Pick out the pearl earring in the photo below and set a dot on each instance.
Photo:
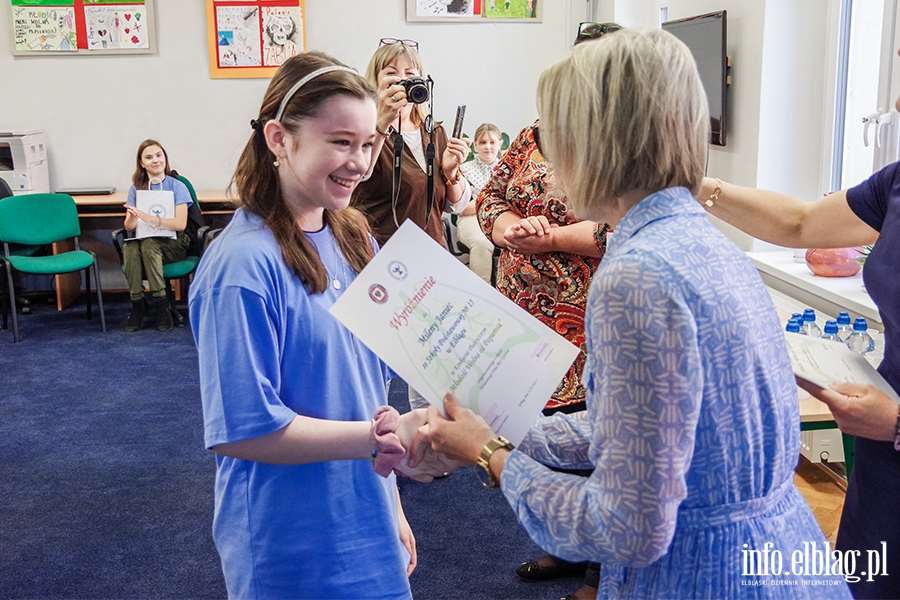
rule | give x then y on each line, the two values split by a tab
276	163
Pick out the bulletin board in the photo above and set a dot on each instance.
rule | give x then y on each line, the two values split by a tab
251	38
82	27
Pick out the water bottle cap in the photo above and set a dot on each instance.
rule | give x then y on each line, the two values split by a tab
831	327
793	325
843	318
809	315
860	324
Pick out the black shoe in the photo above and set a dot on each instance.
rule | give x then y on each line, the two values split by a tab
533	571
136	315
163	312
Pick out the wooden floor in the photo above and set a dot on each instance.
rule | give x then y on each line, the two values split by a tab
824	496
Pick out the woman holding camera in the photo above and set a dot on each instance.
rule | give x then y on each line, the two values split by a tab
393	65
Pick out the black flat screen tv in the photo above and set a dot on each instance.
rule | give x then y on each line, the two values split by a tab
705	36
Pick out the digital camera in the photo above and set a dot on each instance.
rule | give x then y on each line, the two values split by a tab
416	89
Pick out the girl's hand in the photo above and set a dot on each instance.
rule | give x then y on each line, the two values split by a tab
428	464
407	539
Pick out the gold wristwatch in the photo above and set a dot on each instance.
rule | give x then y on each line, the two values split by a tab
484	460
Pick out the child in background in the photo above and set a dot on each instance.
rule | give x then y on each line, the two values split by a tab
144	259
478	171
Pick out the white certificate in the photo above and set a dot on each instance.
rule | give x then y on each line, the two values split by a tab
824	361
443	329
159	203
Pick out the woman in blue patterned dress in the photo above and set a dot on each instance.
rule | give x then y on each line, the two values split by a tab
692	424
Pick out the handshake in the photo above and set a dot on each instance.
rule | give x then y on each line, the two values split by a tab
422	444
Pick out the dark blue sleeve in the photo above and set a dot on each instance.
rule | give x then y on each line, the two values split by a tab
869	199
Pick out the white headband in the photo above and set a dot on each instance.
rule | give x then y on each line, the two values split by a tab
304	81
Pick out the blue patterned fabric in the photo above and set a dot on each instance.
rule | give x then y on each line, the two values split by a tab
692	424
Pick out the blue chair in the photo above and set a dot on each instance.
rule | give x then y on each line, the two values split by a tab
43	219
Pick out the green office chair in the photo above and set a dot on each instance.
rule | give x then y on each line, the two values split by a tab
182	270
18	249
39	219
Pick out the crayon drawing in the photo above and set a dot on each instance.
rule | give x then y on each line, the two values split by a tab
112	27
238	36
447	8
37	29
282	34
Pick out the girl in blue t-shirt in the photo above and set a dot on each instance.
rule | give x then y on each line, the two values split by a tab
306	503
144	258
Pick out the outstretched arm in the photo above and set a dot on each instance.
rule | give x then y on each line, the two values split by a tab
785	220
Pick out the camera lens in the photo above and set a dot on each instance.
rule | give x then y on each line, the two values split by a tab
416	90
418	94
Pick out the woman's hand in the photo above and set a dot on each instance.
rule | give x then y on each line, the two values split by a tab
461	435
530	235
428	464
391	98
859	409
454	155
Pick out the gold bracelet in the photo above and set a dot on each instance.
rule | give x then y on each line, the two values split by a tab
384	133
714	197
484	460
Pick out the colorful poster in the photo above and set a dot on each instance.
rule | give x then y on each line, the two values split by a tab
252	38
281	27
448	8
37	28
238	36
82	26
510	9
115	27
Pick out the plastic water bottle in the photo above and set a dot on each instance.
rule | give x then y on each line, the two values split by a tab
860	340
809	326
831	331
793	325
844	327
798	317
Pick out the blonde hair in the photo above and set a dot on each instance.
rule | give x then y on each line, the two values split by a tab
486	128
257	182
387	54
624	113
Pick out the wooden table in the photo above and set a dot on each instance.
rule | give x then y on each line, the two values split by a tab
212	202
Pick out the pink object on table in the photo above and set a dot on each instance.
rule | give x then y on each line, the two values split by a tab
834	262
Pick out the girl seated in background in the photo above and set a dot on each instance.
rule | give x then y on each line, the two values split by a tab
144	259
488	140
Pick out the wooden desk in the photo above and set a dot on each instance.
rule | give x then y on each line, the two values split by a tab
212	202
92	210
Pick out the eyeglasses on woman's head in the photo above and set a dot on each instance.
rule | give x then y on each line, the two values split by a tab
391	41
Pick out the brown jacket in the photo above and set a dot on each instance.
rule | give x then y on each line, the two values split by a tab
373	197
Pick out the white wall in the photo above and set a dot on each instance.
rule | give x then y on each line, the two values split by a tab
95	110
781	97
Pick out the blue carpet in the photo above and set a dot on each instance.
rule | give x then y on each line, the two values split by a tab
106	490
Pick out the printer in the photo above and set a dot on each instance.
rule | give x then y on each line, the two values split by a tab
23	161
